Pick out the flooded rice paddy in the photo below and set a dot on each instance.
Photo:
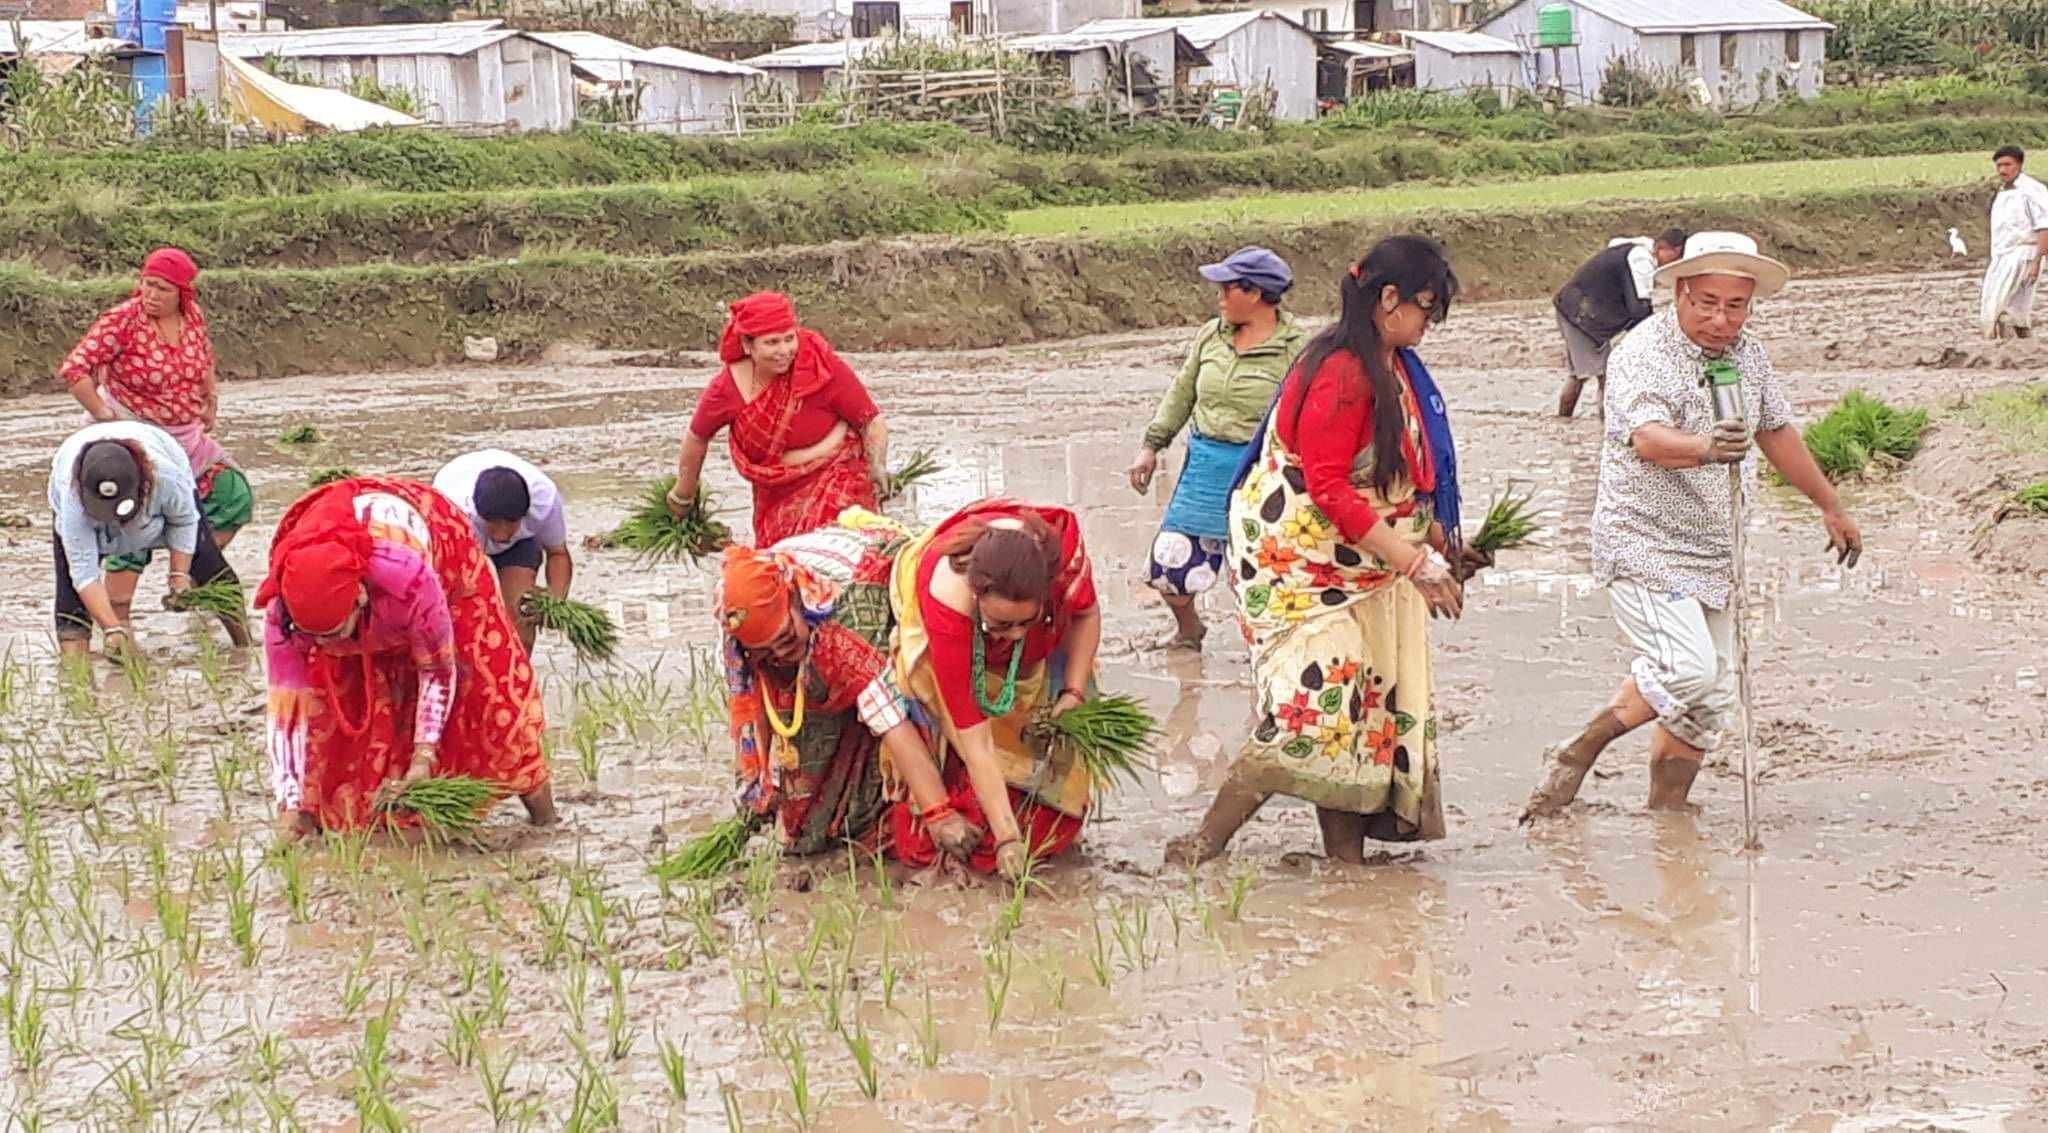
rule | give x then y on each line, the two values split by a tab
1878	964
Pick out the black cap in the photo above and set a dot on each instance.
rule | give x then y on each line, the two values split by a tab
110	482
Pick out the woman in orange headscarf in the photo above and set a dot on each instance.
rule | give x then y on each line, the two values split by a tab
805	432
391	659
149	358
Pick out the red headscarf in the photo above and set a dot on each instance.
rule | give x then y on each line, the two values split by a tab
175	268
753	597
764	312
319	566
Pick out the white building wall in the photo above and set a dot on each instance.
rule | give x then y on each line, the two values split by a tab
1437	69
1035	17
1601	41
1263	53
1338	15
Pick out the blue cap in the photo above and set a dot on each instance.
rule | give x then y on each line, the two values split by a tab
1256	266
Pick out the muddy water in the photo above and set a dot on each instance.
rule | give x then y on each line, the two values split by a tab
1877	965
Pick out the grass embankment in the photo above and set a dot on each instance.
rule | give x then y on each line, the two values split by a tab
1768	179
107	230
2016	415
913	293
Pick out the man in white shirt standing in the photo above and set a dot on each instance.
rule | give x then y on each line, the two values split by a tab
519	520
2019	244
1607	295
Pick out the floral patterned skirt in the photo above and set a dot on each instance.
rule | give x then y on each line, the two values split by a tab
1340	656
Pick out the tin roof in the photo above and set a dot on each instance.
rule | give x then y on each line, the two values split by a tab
1665	17
1464	42
1367	49
460	37
1202	31
61	37
691	61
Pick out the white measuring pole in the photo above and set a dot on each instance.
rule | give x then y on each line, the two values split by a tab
1738	608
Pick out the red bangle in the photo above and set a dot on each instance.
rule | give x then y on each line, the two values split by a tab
943	810
1070	690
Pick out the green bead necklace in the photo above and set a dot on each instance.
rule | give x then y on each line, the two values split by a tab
1006	699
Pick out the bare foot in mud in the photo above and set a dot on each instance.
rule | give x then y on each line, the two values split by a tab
1191	850
540	805
1557	788
297	827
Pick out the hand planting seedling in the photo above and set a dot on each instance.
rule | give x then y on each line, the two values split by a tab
451	804
712	853
224	598
920	465
1110	734
588	629
659	536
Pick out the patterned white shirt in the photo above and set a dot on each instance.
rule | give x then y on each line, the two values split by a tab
1671	529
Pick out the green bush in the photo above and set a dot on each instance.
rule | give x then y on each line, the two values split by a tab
1861	428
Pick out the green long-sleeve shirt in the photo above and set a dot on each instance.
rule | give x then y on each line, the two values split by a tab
1226	392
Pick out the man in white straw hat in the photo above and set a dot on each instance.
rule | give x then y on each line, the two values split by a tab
1663	529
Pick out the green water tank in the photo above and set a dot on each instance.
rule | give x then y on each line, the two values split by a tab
1554	26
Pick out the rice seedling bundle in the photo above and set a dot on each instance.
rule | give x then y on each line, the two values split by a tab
657	535
712	853
303	433
221	597
2033	498
1859	429
588	629
321	477
1111	734
452	804
1509	522
920	465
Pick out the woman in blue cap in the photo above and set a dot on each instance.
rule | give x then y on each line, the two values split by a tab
1236	363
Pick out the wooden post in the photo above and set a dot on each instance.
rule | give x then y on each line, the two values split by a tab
1130	88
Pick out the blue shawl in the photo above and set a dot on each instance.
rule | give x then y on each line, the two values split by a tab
1436	427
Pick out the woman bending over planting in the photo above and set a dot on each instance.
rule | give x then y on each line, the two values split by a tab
805	433
518	515
807	625
996	620
1338	536
149	358
391	659
122	489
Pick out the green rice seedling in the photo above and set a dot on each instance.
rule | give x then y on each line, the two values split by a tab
465	1034
587	629
222	598
357	984
701	907
920	465
661	537
771	979
1133	932
1060	980
303	433
927	1034
554	923
133	1087
268	1052
618	1036
494	1076
467	965
1111	735
890	973
227	775
1240	889
27	1029
1098	957
862	1048
595	1103
584	733
674	1068
450	804
497	990
995	982
885	890
1860	429
290	862
713	853
241	904
1509	522
729	1097
321	477
796	1066
2033	498
576	992
372	1075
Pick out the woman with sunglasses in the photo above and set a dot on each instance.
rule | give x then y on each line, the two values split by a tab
391	659
1339	532
807	626
1224	387
996	619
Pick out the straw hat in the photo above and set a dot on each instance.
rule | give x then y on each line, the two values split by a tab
1726	253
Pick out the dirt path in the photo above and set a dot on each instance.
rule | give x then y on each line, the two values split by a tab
1877	965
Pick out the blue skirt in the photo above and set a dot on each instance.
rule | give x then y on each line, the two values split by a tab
1201	501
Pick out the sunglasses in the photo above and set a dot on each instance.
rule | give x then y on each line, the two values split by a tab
993	625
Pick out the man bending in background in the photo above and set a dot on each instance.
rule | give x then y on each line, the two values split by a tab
1609	294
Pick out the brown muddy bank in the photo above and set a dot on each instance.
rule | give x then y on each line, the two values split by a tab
933	293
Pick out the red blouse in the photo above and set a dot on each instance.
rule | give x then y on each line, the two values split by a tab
1337	400
157	382
843	398
952	632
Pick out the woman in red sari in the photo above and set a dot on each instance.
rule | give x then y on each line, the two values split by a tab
391	659
996	619
805	433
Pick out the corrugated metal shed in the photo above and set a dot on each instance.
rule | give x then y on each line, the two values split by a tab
461	37
1664	17
701	64
61	37
599	58
1366	49
1463	42
1202	31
